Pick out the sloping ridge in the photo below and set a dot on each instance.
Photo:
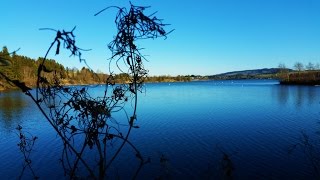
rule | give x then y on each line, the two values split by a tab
251	72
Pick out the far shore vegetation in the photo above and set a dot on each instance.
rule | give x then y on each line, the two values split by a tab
300	74
24	69
308	74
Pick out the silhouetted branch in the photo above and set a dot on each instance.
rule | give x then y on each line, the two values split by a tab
26	145
74	114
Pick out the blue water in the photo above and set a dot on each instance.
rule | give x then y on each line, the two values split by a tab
255	122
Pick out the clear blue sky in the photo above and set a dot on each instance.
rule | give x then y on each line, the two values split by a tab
211	36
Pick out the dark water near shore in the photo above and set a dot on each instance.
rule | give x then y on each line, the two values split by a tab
255	122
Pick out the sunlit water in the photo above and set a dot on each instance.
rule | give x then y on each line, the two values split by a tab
255	122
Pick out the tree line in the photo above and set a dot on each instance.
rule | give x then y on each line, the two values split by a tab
308	74
25	69
298	66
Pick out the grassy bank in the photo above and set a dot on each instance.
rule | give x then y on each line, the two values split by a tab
301	78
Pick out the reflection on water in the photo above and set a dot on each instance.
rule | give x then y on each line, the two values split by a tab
11	106
297	95
282	93
313	95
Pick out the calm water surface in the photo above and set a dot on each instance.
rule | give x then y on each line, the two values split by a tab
255	122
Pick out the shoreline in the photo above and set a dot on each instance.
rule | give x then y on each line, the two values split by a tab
300	83
281	82
85	84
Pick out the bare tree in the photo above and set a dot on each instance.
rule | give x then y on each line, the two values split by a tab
282	67
310	66
298	66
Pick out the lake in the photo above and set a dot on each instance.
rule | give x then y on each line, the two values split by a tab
255	122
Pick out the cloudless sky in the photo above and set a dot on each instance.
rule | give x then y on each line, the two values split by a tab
210	37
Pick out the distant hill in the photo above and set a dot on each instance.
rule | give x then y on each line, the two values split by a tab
249	74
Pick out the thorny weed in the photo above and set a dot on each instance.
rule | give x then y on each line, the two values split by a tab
26	144
84	121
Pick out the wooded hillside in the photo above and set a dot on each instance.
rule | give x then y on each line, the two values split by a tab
25	69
